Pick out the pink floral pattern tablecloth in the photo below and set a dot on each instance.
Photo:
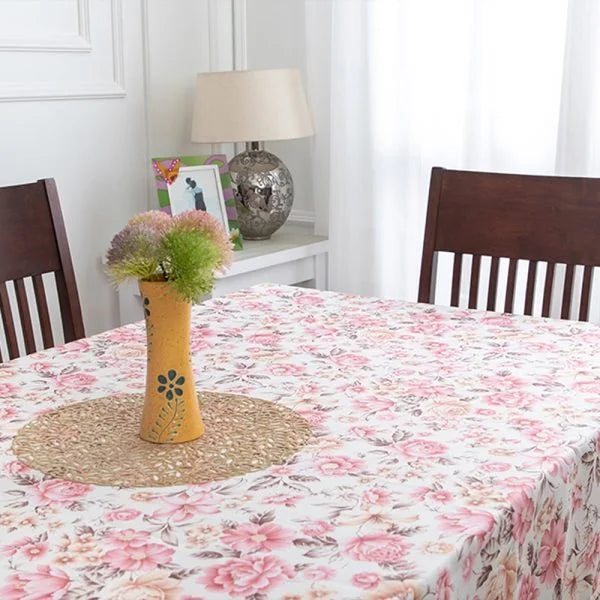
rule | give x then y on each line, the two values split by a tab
455	456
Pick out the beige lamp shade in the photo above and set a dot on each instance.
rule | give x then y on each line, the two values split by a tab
250	106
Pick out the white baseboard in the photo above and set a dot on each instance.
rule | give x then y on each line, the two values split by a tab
302	216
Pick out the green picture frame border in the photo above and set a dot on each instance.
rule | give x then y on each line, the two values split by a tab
201	160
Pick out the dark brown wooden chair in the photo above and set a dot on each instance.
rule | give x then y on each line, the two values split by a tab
548	219
33	242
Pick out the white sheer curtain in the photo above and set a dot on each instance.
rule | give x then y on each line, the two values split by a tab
400	86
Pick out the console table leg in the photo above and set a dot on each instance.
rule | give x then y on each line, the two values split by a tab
321	271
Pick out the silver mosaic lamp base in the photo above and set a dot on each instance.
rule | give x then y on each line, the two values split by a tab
264	192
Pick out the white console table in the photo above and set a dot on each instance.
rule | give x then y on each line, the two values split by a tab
293	256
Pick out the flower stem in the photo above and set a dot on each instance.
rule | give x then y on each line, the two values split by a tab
162	268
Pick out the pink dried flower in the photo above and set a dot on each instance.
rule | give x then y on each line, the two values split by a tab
136	251
155	219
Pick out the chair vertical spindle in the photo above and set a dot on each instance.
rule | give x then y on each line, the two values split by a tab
493	284
9	324
567	290
548	290
586	288
474	286
432	280
42	308
456	272
65	312
530	289
509	299
24	315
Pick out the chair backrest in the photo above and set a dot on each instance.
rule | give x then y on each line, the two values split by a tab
541	219
33	242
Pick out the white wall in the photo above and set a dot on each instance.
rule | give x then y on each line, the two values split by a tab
72	108
275	38
89	91
196	38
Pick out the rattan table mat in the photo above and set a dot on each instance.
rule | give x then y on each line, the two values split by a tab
97	442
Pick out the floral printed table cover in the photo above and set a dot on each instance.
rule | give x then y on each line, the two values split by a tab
455	456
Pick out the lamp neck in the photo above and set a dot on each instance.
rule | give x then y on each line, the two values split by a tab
254	146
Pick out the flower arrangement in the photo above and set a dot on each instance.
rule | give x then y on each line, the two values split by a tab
185	250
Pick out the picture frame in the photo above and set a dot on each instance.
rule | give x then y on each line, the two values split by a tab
198	182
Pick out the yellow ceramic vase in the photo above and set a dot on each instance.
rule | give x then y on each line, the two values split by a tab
171	412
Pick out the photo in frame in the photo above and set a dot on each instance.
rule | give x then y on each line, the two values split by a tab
201	183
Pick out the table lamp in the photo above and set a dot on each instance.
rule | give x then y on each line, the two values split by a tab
252	107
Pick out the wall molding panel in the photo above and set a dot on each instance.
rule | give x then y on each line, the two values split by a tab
116	15
240	46
105	87
240	28
220	35
78	41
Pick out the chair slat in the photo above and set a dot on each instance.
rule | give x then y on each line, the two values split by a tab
431	290
474	286
493	283
456	272
42	308
548	289
586	288
509	299
24	315
69	326
530	289
567	291
9	324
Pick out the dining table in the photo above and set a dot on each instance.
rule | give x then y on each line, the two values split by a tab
454	454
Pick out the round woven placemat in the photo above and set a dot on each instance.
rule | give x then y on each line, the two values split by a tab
97	442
